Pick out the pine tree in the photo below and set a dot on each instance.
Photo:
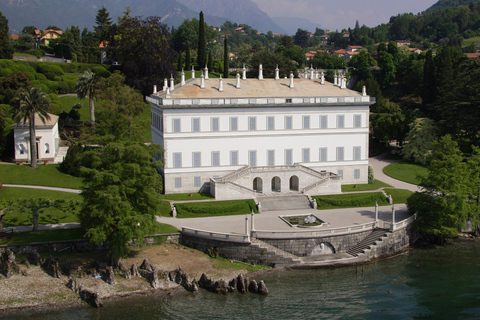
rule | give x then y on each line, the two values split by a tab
225	58
6	46
428	95
202	44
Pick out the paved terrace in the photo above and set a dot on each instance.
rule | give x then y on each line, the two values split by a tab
270	221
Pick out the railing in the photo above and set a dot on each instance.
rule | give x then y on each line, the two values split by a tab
230	237
401	224
299	234
313	185
235	174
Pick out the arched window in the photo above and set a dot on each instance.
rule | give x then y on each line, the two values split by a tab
47	148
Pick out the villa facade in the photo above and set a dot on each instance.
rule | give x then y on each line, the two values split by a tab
242	138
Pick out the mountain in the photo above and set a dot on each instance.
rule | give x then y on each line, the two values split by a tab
81	13
292	24
442	4
245	11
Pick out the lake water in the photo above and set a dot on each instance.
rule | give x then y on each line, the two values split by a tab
440	283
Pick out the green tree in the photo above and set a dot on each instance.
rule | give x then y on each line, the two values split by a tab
188	59
144	52
121	195
419	139
226	58
29	104
269	61
441	206
85	87
104	23
202	42
387	68
429	85
121	105
6	45
362	63
301	38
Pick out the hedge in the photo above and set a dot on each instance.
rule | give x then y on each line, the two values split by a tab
357	200
219	208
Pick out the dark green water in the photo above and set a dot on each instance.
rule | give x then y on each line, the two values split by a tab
441	283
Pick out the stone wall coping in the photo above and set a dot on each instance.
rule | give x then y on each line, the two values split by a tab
229	237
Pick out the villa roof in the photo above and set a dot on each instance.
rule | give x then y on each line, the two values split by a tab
39	123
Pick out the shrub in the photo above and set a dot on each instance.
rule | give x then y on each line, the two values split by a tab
37	53
101	71
371	174
5	72
50	70
42	85
63	87
53	85
57	78
71	163
39	76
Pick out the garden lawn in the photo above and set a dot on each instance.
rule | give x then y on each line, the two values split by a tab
340	201
215	208
399	195
69	101
44	175
405	171
188	196
364	187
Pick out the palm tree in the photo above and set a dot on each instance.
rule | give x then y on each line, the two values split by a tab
85	86
28	104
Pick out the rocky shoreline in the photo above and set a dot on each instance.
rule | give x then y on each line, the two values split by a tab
44	283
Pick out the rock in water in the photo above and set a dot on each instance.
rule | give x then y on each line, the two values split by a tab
90	297
253	287
109	276
232	285
124	271
262	288
241	284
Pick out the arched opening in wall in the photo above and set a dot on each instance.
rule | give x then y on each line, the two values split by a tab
276	184
258	185
293	183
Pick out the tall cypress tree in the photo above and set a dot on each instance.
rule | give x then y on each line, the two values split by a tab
429	90
225	58
188	59
202	43
6	45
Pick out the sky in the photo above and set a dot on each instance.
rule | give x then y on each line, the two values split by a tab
339	14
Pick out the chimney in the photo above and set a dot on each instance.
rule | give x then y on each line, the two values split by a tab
312	76
206	72
364	91
238	80
260	72
277	73
322	78
165	84
244	72
193	73
183	78
220	85
335	79
154	88
202	81
291	80
343	82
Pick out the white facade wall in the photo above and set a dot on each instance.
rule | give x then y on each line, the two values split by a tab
223	141
47	140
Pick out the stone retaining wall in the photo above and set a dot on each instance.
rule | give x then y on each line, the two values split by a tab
82	245
395	242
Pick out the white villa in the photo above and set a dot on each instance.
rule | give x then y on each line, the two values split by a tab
46	135
242	138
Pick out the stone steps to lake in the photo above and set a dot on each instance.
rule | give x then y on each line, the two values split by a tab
369	241
279	256
281	203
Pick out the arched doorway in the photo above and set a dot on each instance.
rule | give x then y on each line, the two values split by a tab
276	184
258	185
293	183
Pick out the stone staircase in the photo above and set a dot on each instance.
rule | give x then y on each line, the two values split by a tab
279	203
62	152
367	242
279	257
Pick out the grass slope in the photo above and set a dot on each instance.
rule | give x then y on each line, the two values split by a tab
405	171
44	175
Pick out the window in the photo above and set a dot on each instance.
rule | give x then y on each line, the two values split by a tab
178	182
340	154
323	154
252	123
233	158
176	125
196	125
270	123
47	148
357	119
288	122
357	153
197	182
177	160
356	173
252	156
306	122
271	157
340	121
197	162
306	155
233	124
288	157
214	124
340	173
288	101
22	149
215	158
323	122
